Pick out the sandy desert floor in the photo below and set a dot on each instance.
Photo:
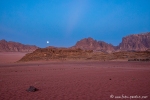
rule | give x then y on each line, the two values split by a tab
9	57
72	80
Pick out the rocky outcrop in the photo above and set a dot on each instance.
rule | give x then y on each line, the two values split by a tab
56	54
15	47
70	54
91	44
136	42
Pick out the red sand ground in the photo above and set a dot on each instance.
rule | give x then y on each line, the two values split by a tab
9	57
75	80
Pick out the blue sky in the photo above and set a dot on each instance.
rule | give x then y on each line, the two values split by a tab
64	22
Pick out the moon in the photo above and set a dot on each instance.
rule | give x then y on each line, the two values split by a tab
47	42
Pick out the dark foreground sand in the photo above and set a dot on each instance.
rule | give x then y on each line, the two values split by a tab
78	80
75	80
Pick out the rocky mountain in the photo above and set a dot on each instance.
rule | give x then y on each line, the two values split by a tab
15	47
91	44
136	42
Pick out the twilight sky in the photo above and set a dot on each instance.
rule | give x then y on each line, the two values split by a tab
64	22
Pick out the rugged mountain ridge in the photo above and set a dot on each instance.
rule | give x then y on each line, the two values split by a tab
135	42
10	46
91	44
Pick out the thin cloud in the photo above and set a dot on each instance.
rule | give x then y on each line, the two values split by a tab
77	10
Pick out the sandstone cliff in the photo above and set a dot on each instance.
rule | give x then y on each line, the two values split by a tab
136	42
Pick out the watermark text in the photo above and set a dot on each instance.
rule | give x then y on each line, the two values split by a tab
123	96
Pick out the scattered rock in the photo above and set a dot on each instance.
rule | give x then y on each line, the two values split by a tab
32	89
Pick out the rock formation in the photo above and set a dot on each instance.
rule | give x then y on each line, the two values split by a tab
15	47
57	54
136	42
32	89
79	54
133	47
91	44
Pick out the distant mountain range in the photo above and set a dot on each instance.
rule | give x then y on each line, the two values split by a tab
135	42
15	47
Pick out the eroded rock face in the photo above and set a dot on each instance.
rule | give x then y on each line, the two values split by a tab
15	47
138	42
91	44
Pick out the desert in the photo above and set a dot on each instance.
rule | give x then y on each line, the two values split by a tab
74	80
90	70
74	50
